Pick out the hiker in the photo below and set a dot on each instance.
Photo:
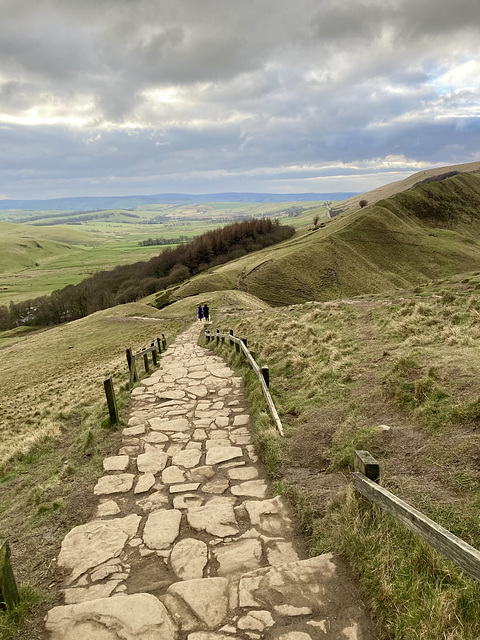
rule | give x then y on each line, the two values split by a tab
200	313
206	312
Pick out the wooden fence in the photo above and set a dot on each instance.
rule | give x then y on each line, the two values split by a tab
155	349
365	481
261	372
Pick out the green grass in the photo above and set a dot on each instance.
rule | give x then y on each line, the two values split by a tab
338	372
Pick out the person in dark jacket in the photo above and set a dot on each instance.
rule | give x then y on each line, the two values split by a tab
206	312
200	313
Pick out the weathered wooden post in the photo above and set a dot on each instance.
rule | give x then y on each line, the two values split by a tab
207	335
230	331
237	347
9	597
159	345
129	358
145	360
366	464
133	372
164	341
266	375
111	400
223	339
218	338
154	355
244	340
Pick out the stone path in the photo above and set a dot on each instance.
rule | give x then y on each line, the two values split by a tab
186	543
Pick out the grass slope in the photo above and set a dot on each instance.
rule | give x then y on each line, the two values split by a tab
428	232
396	376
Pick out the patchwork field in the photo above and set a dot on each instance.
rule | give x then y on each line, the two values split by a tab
41	255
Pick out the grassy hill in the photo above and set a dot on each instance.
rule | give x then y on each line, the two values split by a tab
427	232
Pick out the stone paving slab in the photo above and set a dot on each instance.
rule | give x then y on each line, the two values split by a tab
187	544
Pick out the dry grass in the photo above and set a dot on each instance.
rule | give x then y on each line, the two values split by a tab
339	370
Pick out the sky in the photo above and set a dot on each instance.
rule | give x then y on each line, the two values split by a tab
123	97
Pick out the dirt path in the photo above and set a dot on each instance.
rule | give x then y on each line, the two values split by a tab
187	542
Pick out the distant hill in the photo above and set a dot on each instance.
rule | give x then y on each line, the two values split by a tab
130	202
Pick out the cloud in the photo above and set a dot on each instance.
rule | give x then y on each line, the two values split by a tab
103	93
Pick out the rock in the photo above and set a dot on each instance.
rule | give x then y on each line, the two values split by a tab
256	621
243	473
164	424
108	508
173	474
153	502
188	559
220	442
106	570
295	635
155	438
114	484
308	583
252	488
281	552
162	528
134	431
74	596
92	544
181	488
241	419
270	516
222	454
133	617
198	390
383	427
222	421
171	395
187	458
217	517
187	501
116	463
207	598
237	558
200	474
199	435
152	462
144	483
217	486
288	610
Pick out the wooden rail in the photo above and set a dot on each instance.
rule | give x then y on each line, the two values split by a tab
155	349
446	543
262	373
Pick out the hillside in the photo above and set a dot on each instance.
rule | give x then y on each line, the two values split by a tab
430	231
23	246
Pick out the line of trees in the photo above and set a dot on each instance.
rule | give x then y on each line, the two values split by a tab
127	283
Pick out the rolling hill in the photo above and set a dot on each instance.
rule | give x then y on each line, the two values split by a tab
428	231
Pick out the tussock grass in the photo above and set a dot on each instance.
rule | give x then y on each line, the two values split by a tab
338	371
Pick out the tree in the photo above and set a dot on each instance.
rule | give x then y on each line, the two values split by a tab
316	218
363	203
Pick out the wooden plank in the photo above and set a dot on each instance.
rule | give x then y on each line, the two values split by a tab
366	464
111	400
446	543
145	362
8	588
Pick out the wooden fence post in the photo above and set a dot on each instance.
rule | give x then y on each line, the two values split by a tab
366	464
223	339
266	375
218	339
145	360
207	335
133	372
230	331
159	346
244	340
129	358
237	347
164	341
154	355
111	400
8	587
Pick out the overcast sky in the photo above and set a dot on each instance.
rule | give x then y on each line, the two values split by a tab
119	97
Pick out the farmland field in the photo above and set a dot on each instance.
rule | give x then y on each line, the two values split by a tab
74	245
